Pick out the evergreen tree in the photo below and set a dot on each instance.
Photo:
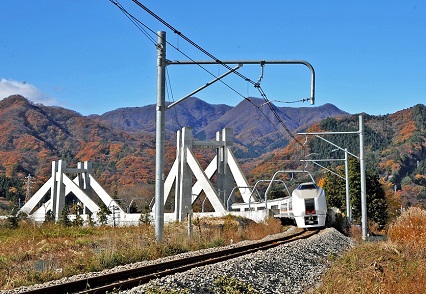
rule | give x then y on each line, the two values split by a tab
65	221
335	190
376	202
77	209
103	213
133	208
11	188
276	192
13	219
78	221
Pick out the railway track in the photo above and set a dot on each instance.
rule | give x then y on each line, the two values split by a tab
131	278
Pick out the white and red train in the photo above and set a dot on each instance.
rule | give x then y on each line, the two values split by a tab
306	204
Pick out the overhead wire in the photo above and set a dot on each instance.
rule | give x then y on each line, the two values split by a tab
255	84
177	49
191	42
174	109
134	20
262	93
140	25
295	101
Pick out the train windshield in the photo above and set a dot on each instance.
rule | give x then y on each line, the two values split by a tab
307	186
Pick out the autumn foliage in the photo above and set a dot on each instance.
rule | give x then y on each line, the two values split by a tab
32	136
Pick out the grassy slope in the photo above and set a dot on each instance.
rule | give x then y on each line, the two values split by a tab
397	265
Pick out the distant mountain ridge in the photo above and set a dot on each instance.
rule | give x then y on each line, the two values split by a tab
251	127
192	112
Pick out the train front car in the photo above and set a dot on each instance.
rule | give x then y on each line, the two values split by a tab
309	205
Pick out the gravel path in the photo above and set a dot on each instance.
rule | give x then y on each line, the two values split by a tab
289	268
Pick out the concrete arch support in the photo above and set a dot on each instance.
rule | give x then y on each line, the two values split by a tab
60	185
190	179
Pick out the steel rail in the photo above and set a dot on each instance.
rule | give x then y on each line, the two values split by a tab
130	278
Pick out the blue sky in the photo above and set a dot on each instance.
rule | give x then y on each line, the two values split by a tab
369	56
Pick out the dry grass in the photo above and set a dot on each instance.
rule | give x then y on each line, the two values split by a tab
409	231
35	254
397	265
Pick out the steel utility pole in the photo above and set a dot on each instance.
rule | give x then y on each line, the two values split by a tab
361	158
160	137
348	198
363	184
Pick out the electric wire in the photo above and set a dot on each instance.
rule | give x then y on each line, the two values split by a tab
174	109
191	42
217	60
141	25
134	20
174	47
262	93
255	84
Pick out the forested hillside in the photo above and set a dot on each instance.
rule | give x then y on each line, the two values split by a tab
121	143
32	136
395	150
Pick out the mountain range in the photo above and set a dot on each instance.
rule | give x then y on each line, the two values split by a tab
121	143
255	126
123	140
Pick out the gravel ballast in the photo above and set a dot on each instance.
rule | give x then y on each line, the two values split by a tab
290	268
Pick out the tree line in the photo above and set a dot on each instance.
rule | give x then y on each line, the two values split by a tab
11	189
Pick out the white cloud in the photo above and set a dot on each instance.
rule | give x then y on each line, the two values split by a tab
11	87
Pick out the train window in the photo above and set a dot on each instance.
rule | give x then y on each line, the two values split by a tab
307	186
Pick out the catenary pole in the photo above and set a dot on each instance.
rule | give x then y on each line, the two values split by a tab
160	136
363	184
348	198
162	62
